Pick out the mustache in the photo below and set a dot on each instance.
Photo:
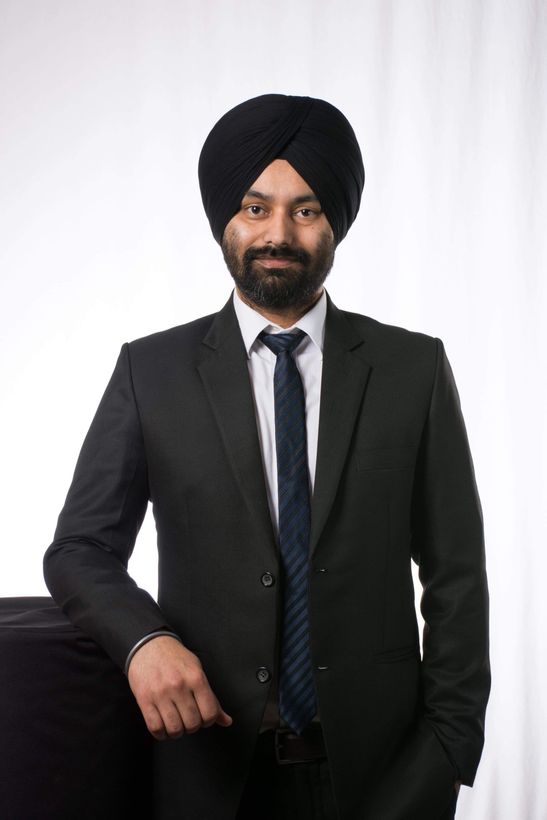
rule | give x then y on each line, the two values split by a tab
273	252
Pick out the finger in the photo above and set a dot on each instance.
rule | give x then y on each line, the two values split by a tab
172	720
224	719
154	722
189	712
210	709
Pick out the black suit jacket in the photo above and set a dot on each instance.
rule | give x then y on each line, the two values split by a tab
394	480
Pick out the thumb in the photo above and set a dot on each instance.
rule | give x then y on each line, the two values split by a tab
224	719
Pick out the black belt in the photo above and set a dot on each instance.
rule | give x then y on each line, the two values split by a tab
292	748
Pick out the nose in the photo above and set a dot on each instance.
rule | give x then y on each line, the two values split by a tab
278	229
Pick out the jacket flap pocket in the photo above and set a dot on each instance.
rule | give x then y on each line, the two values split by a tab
401	653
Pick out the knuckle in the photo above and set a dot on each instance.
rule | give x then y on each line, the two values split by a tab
152	719
175	733
173	727
210	716
170	688
197	679
156	730
154	723
166	693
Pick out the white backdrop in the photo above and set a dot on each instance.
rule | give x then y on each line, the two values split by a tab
104	106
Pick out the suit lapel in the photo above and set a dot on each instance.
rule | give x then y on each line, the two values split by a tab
345	376
224	372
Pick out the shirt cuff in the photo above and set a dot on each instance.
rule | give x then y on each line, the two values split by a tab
144	640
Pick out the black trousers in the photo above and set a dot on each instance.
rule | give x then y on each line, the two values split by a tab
294	791
290	791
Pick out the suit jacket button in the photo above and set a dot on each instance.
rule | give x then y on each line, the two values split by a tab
268	579
263	675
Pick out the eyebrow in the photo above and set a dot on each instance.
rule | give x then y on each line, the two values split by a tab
298	200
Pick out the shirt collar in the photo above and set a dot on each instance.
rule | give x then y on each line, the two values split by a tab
251	322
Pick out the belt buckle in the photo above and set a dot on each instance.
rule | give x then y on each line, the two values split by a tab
284	759
280	748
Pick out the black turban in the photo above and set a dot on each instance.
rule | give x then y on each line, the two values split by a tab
312	135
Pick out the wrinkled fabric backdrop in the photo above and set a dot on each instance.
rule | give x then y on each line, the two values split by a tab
104	107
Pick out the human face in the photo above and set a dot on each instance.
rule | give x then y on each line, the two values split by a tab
279	247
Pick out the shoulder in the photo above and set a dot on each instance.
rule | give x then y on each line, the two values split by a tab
180	342
191	332
166	355
382	341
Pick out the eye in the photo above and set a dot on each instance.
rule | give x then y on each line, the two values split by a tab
306	213
254	210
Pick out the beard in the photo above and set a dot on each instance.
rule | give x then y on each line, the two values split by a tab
295	286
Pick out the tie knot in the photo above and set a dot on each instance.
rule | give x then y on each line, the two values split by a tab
282	342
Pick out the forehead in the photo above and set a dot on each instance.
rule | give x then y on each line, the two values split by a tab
280	180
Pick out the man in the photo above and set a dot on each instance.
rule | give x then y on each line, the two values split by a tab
297	457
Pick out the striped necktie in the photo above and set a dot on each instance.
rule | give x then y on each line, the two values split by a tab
297	698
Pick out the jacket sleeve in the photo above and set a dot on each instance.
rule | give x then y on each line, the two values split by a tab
85	567
448	545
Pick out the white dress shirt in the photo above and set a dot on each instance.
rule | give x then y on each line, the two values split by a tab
261	363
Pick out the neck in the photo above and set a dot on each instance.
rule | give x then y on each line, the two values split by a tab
284	318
